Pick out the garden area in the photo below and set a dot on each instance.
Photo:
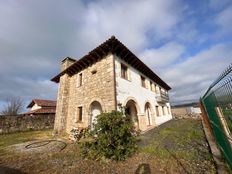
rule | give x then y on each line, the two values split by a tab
178	146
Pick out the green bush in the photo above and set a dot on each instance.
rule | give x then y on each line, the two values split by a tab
114	138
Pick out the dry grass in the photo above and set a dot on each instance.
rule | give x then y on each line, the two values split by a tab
175	147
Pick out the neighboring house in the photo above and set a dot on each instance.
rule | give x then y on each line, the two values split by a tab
108	78
185	109
38	106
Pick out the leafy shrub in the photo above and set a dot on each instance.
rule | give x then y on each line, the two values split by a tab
114	138
76	134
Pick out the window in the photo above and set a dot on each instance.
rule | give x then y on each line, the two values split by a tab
124	72
151	85
80	79
163	110
157	110
156	88
143	82
80	113
94	71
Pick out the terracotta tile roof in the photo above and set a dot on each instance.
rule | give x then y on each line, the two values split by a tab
41	111
114	46
42	103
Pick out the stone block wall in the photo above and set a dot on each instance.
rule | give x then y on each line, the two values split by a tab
98	85
9	124
179	111
62	104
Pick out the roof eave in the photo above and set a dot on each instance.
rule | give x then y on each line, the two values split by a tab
31	104
101	51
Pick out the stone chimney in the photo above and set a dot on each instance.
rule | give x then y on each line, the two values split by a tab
67	62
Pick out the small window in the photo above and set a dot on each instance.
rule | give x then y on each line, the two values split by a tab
151	85
157	110
124	71
80	113
94	71
163	110
143	82
80	79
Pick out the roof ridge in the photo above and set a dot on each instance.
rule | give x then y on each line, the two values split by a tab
111	45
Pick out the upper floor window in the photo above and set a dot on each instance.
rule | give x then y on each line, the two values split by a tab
124	71
143	82
151	85
80	113
155	86
80	80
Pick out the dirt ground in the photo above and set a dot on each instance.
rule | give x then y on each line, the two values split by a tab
178	146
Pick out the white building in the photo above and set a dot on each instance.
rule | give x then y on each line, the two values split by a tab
108	78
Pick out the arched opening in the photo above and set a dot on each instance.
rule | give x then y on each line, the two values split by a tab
148	114
131	110
95	110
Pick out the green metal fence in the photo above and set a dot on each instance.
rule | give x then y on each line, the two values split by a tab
217	103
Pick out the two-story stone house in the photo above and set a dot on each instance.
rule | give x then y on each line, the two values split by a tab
108	78
41	106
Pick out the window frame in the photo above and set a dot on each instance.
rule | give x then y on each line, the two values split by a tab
151	85
157	111
80	79
168	109
143	81
79	114
124	72
163	110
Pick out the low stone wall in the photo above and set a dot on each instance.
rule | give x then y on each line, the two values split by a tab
179	111
10	124
182	113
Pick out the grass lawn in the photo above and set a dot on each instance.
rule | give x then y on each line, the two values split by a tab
178	146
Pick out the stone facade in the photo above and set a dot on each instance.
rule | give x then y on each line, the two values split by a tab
108	78
98	85
62	103
16	123
67	62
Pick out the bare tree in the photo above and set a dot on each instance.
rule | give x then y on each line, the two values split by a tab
13	107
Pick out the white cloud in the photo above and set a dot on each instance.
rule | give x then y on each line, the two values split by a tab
36	35
191	78
28	87
223	20
162	56
130	21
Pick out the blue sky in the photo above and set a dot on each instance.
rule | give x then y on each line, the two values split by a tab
187	43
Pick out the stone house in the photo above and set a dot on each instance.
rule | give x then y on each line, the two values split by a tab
40	107
107	78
